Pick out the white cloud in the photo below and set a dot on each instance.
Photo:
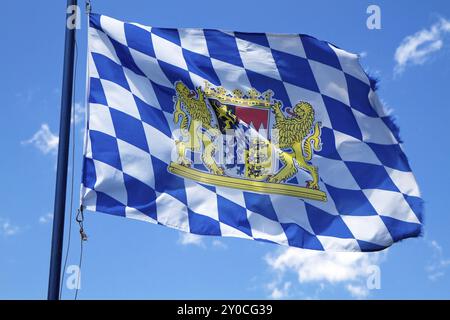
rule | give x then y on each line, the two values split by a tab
325	268
357	291
46	218
417	48
187	239
7	229
219	244
439	263
279	292
191	239
44	140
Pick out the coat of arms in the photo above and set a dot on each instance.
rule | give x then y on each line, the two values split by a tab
245	141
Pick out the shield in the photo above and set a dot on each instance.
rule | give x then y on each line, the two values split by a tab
232	133
247	149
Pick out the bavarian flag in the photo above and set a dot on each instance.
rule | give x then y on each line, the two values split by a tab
271	137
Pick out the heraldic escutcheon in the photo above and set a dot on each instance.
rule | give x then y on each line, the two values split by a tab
262	157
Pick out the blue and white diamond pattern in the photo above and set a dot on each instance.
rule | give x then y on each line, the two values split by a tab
373	198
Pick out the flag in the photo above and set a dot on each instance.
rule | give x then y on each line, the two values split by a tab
272	137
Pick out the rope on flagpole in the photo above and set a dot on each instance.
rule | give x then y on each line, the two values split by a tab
83	237
73	124
80	214
72	168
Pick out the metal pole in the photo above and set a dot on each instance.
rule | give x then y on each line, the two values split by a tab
63	153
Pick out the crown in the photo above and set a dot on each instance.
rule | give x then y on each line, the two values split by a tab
252	98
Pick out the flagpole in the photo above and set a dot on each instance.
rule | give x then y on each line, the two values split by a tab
63	155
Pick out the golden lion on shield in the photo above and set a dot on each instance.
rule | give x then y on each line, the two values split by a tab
299	134
191	108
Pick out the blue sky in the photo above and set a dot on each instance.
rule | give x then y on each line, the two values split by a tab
131	259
